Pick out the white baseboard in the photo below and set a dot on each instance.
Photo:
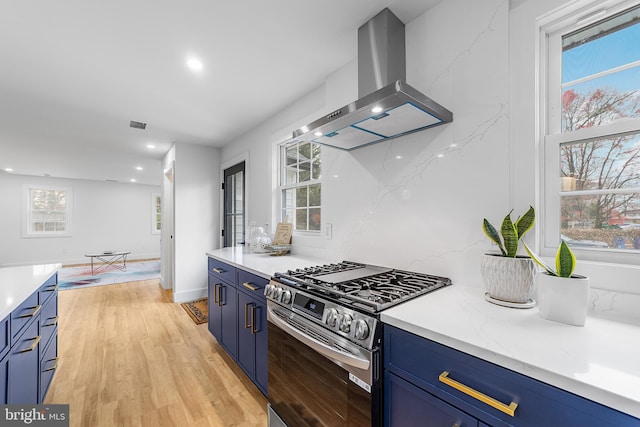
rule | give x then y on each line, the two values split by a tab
190	295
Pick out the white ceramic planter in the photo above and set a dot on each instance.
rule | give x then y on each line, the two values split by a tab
509	279
563	299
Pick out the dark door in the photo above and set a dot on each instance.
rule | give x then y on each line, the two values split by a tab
234	205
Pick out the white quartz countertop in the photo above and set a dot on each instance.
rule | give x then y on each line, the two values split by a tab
18	283
262	264
599	361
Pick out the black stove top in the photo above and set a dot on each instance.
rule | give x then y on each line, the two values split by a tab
363	286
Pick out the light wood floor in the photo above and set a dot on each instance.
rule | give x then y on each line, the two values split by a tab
131	357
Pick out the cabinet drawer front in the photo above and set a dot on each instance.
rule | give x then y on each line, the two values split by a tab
49	319
22	315
440	370
48	366
5	337
24	367
223	271
49	288
407	405
252	284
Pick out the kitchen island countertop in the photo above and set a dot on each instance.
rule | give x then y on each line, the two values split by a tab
18	283
598	361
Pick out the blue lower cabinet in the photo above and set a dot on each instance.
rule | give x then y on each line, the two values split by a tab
24	367
407	405
4	376
450	383
252	339
222	314
48	365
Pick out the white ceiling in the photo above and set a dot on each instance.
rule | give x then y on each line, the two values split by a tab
74	73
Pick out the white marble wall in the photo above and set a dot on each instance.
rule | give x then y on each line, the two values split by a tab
417	202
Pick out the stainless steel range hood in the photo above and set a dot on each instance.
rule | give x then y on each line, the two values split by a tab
388	107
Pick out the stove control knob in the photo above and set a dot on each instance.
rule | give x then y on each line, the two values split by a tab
268	290
277	293
345	322
332	317
286	297
361	329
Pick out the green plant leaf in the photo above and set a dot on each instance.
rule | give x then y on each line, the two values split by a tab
538	260
492	234
565	260
525	222
510	236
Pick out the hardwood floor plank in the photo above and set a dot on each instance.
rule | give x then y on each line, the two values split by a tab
131	357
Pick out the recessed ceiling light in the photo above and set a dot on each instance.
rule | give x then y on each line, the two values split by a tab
194	64
8	169
376	110
304	129
132	180
139	168
440	156
151	146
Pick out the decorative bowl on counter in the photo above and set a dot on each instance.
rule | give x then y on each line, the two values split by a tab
277	250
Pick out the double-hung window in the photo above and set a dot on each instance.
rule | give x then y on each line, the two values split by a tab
590	110
48	211
300	186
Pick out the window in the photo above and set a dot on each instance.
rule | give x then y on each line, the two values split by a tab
300	185
48	211
591	166
156	213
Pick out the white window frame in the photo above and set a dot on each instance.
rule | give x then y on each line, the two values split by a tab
282	170
27	231
612	269
155	227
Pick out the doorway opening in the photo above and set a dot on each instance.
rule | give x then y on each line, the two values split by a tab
234	191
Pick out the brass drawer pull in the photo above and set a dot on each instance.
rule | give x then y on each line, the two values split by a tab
36	340
219	270
52	288
51	321
55	365
507	409
250	286
35	311
253	320
247	325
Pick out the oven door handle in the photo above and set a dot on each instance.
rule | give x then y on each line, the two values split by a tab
327	351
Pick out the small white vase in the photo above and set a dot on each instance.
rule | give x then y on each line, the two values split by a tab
563	299
509	279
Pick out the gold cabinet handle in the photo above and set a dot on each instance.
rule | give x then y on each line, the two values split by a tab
247	325
55	365
33	346
220	270
253	319
250	286
507	409
215	294
35	311
51	321
52	288
220	304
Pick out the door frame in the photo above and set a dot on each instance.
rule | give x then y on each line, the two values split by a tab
243	157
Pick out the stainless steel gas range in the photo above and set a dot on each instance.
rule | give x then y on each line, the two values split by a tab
325	341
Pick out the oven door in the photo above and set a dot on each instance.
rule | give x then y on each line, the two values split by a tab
317	378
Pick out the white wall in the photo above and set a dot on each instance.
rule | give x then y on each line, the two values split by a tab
397	203
106	216
196	217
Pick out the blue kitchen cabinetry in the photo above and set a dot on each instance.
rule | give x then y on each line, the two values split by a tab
238	318
252	328
427	383
223	297
29	347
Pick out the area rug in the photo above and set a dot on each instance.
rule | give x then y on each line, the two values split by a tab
80	276
197	310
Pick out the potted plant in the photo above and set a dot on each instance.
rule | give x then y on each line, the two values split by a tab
562	295
509	278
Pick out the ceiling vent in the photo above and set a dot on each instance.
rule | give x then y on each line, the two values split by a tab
137	125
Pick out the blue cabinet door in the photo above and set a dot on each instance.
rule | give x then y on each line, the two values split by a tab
246	336
214	310
228	300
407	405
24	368
4	376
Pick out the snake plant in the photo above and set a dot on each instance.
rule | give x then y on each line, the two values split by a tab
565	261
508	240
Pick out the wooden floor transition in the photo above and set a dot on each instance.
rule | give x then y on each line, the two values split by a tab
131	357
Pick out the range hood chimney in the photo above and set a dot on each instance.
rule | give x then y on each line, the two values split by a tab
388	107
